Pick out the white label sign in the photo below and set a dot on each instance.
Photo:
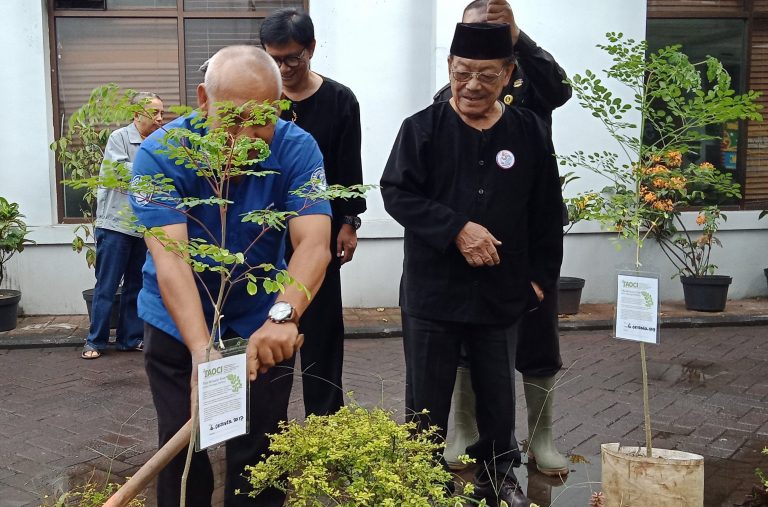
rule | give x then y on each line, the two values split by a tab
637	308
222	398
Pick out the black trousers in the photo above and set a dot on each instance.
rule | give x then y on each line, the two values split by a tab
432	350
538	341
169	366
538	345
322	355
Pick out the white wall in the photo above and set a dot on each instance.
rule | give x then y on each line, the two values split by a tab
392	54
569	30
50	275
25	162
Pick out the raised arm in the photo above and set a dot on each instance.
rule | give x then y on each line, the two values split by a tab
545	76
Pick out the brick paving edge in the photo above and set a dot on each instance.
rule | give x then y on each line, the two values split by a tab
368	332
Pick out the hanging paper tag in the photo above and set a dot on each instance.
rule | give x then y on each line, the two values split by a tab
223	399
637	308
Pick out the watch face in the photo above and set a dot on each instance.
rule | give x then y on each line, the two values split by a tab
280	311
354	221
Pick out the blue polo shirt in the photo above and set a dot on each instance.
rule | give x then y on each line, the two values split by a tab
295	157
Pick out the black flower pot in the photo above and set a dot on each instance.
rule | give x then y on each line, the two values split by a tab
765	271
9	309
569	295
114	317
706	293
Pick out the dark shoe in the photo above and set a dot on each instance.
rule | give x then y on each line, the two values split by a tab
495	491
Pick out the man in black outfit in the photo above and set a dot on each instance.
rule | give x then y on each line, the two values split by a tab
330	113
476	187
537	84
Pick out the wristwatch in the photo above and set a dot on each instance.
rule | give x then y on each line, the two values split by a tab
352	220
282	312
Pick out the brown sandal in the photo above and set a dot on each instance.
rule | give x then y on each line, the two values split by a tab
90	353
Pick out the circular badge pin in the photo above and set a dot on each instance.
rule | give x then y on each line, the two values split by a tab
508	99
505	159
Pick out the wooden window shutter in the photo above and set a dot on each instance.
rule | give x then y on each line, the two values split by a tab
661	8
756	187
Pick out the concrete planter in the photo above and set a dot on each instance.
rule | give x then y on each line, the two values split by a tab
668	479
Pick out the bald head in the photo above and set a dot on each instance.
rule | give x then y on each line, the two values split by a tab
240	74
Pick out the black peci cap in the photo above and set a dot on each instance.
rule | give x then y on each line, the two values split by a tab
482	41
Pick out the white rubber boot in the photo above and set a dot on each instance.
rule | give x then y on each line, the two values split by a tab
464	425
539	394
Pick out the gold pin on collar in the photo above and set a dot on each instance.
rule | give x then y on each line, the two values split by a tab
508	99
518	83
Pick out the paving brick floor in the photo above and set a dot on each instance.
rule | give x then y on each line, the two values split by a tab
63	419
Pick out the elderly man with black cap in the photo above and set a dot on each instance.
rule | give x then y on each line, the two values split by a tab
538	83
476	187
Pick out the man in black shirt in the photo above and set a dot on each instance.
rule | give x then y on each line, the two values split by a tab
537	84
476	187
330	113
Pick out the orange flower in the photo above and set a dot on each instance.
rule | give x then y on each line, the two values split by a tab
705	239
677	183
659	183
701	219
674	158
649	197
707	166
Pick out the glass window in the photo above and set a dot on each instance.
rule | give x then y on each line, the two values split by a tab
723	39
134	53
140	4
115	4
141	49
81	4
239	5
203	37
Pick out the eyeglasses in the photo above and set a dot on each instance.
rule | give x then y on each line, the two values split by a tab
463	76
290	61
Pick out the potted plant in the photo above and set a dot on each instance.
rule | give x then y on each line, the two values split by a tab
13	239
669	186
581	207
81	151
649	186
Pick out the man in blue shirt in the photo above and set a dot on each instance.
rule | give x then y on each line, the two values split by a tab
174	303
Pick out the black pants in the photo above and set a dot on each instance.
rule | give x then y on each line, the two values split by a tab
538	341
169	365
322	355
538	346
432	350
